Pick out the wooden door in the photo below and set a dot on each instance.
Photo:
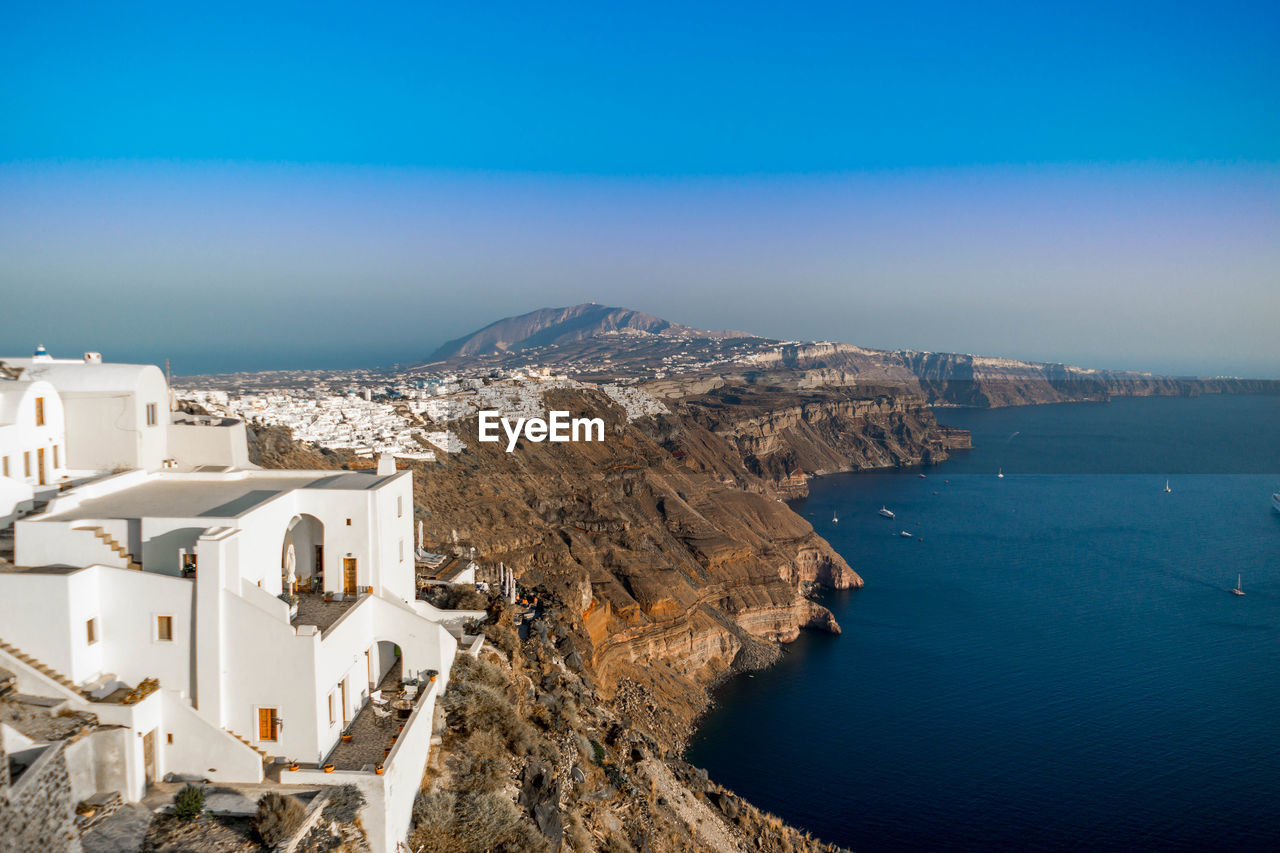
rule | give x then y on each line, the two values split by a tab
348	575
266	724
149	757
318	586
40	465
343	685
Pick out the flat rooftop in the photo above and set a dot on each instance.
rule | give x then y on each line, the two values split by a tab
176	496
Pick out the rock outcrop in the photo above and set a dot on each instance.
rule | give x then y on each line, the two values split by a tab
785	437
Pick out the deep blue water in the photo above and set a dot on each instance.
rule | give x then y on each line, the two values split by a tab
1054	662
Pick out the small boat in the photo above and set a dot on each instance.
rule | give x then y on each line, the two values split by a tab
1000	474
835	519
1237	590
886	512
1275	501
905	535
921	476
1166	487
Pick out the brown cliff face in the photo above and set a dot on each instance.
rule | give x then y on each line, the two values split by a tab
670	540
671	549
784	437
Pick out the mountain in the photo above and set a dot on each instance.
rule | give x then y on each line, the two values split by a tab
557	326
603	344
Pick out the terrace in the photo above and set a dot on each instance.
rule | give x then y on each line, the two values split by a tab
314	609
373	734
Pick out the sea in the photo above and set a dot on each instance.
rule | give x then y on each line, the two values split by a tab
1053	660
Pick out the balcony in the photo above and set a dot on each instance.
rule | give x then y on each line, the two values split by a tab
313	609
374	733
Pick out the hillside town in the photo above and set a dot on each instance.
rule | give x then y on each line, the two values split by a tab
406	418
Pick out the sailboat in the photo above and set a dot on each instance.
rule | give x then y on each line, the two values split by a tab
1166	487
886	512
1237	590
1000	474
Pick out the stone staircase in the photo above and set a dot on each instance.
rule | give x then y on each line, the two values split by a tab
110	541
266	759
47	671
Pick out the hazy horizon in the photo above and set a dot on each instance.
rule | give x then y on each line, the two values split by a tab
1096	186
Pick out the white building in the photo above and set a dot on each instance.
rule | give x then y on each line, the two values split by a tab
235	620
33	441
117	414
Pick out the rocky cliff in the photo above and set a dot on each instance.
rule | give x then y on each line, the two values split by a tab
958	379
667	550
669	547
785	437
670	540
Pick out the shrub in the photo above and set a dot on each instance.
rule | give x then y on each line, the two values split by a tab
502	636
344	804
433	828
435	808
482	764
478	701
480	671
188	803
491	821
460	597
277	818
579	839
475	707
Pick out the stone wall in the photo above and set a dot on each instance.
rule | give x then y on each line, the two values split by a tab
36	812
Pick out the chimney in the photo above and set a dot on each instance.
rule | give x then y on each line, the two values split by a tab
93	358
386	464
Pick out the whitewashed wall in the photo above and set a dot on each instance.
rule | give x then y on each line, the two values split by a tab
195	444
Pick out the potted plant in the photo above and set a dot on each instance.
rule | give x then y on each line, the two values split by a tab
328	597
346	735
293	765
328	768
431	674
379	770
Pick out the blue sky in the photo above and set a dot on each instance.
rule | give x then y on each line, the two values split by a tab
1089	182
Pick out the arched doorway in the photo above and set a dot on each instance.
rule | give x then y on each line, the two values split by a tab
302	555
384	664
